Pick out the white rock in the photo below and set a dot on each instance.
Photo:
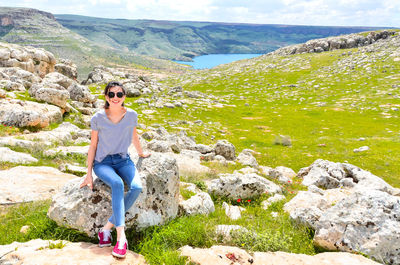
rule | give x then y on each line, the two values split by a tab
88	210
361	149
277	197
8	155
67	150
24	184
201	203
247	159
233	212
235	186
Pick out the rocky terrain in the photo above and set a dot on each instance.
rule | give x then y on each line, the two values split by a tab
26	26
211	187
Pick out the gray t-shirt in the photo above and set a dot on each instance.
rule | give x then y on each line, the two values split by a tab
114	138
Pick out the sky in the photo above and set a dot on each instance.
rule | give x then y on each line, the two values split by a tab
381	13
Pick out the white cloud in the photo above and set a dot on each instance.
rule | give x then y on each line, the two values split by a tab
299	12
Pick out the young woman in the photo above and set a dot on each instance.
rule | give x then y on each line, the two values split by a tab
113	130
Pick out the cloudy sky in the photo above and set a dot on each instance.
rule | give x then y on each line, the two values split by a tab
294	12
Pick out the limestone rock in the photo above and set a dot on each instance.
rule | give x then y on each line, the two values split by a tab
53	96
225	149
235	186
326	174
67	68
23	184
232	211
201	203
37	251
247	159
8	155
283	174
227	255
34	60
28	114
57	78
81	93
67	150
367	222
88	210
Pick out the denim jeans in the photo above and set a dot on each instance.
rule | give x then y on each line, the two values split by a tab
114	170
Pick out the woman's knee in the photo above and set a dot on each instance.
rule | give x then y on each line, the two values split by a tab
117	184
136	187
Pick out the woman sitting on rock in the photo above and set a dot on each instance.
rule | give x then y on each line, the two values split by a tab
113	130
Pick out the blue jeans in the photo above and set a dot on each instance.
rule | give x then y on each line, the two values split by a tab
114	170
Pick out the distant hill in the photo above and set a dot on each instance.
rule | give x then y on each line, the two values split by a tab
26	26
184	40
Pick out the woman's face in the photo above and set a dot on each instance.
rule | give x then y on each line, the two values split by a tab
115	101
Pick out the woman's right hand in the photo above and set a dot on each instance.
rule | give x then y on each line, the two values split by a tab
88	181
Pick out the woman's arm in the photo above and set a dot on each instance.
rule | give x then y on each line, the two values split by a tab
90	158
136	143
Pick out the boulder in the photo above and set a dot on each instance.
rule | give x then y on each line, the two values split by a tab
366	222
81	93
67	68
40	251
19	75
327	175
28	114
225	149
247	159
24	184
57	78
67	150
227	255
233	212
88	210
201	203
283	174
241	186
11	86
8	155
50	95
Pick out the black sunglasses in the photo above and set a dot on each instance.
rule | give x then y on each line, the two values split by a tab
112	94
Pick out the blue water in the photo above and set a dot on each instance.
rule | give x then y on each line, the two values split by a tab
212	60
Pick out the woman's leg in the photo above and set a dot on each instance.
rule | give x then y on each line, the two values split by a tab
130	175
108	175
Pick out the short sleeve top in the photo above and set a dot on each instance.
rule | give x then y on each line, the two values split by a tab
114	138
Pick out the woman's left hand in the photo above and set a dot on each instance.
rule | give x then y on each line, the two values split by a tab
145	154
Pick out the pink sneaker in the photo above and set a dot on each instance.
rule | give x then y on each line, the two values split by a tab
118	252
104	238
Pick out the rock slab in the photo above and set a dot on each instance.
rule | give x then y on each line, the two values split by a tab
37	251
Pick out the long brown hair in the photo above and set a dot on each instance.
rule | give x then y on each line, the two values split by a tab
110	85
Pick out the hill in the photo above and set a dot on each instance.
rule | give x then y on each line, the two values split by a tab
25	26
182	40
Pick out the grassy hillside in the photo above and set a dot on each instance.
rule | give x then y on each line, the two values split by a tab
328	104
184	40
25	26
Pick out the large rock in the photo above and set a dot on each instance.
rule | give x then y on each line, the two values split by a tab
225	149
58	97
23	184
328	175
88	210
28	114
81	93
67	68
201	203
34	60
227	255
366	222
57	78
351	210
19	75
246	158
8	155
241	186
39	251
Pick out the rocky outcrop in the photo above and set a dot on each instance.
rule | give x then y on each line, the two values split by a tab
24	184
19	76
88	210
334	43
241	186
350	209
225	149
34	60
40	251
226	255
246	158
28	114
